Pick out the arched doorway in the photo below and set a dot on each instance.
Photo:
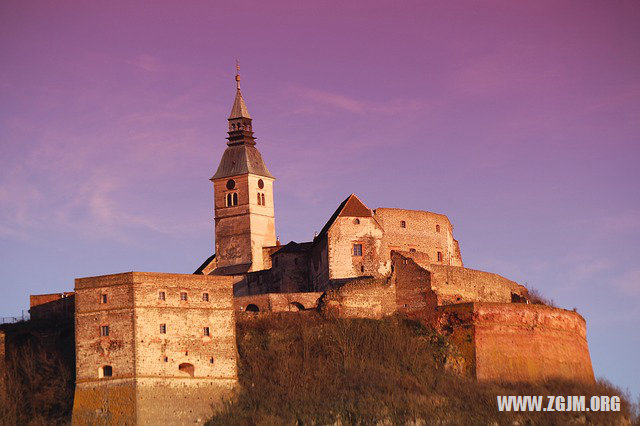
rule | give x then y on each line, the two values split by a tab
252	308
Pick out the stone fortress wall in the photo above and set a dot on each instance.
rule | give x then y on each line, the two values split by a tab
518	342
157	363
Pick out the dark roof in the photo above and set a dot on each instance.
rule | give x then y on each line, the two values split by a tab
293	247
241	159
240	269
239	108
205	264
351	207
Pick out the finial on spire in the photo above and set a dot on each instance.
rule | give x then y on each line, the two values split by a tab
237	74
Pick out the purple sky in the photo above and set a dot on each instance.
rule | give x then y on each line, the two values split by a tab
519	120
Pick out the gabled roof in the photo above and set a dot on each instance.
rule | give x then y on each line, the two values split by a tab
205	264
351	207
239	160
239	109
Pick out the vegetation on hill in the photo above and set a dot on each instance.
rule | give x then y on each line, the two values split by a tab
301	368
36	387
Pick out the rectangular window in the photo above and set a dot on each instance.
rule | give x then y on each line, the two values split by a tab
357	249
205	297
104	330
162	295
439	256
206	331
183	295
103	298
412	250
163	328
403	224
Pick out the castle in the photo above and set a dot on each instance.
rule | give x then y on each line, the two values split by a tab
156	347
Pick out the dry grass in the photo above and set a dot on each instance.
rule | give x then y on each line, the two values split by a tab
303	369
38	381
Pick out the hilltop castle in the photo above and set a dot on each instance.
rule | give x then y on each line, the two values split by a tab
161	347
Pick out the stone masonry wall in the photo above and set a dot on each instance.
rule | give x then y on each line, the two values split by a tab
360	298
460	285
520	342
347	231
425	232
278	302
171	374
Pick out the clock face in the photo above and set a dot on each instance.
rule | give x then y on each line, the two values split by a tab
231	184
260	183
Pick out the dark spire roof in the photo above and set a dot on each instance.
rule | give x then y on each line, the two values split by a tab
351	207
241	159
239	109
241	156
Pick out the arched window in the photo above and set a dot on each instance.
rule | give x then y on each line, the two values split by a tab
403	224
252	308
185	367
259	199
437	228
356	221
263	203
235	198
105	371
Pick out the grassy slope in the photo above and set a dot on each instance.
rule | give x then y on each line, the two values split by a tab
301	368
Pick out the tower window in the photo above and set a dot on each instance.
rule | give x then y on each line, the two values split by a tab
103	298
166	359
183	295
437	228
105	371
260	183
211	360
162	295
263	203
356	221
259	199
357	249
403	224
231	184
104	330
163	328
205	297
439	256
232	199
206	331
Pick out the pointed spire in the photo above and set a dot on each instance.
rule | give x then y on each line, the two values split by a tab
239	109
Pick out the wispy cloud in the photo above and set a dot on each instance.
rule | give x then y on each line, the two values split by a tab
315	99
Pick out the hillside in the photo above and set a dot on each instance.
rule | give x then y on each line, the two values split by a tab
302	369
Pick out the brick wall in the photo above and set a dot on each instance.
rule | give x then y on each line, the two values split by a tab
519	342
278	302
146	363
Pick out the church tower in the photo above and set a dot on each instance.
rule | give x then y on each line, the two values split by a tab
243	197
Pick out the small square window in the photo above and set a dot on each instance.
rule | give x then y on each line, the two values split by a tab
162	295
104	330
163	328
211	360
439	256
412	250
205	297
403	224
166	359
206	331
183	295
437	228
357	249
103	298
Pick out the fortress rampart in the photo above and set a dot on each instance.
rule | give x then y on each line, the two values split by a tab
518	342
